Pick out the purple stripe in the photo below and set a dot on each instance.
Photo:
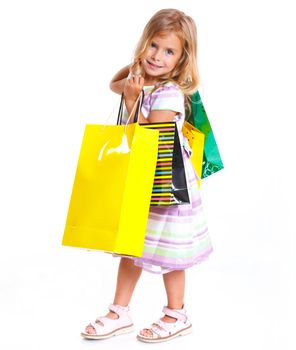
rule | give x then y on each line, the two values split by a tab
168	246
179	220
167	263
168	260
202	233
167	241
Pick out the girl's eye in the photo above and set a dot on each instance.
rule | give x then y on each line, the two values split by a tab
170	52
153	45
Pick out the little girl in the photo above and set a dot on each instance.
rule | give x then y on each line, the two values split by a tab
165	67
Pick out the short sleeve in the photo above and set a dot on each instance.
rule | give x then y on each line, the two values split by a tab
168	97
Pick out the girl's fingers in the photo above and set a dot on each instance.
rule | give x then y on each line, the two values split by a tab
133	86
137	79
141	81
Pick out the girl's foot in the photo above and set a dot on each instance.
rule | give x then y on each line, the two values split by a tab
116	322
91	330
173	324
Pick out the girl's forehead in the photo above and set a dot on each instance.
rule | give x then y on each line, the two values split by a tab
167	39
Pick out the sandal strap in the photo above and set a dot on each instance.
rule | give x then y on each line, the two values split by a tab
161	329
97	325
179	314
157	330
118	309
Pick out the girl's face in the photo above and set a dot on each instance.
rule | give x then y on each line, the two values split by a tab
161	56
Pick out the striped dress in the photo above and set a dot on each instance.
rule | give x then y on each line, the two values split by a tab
177	236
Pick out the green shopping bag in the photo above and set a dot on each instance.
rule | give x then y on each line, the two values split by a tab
212	161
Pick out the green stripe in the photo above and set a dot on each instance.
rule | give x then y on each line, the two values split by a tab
176	235
171	252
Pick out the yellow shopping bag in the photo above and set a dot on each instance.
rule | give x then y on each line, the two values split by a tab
111	194
196	141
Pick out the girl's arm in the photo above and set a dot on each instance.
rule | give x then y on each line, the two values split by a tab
154	116
132	89
118	81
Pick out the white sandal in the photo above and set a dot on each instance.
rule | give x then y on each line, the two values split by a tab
163	331
106	327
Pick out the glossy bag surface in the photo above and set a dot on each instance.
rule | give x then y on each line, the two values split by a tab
111	193
196	141
170	185
212	161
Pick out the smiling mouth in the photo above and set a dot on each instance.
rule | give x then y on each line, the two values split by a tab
152	65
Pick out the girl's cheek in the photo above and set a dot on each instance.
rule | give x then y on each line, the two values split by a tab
150	52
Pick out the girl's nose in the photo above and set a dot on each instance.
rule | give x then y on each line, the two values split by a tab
156	55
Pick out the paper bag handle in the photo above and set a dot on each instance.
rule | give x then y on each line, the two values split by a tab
138	106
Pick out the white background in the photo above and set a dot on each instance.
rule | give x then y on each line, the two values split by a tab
56	61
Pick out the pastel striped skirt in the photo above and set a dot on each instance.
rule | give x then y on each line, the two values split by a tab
177	236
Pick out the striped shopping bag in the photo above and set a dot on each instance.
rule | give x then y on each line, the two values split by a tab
169	186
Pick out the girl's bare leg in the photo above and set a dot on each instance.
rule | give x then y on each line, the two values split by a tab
175	288
127	278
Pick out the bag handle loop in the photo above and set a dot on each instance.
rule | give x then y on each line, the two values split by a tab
137	106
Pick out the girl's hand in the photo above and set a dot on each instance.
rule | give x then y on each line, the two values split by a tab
132	88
